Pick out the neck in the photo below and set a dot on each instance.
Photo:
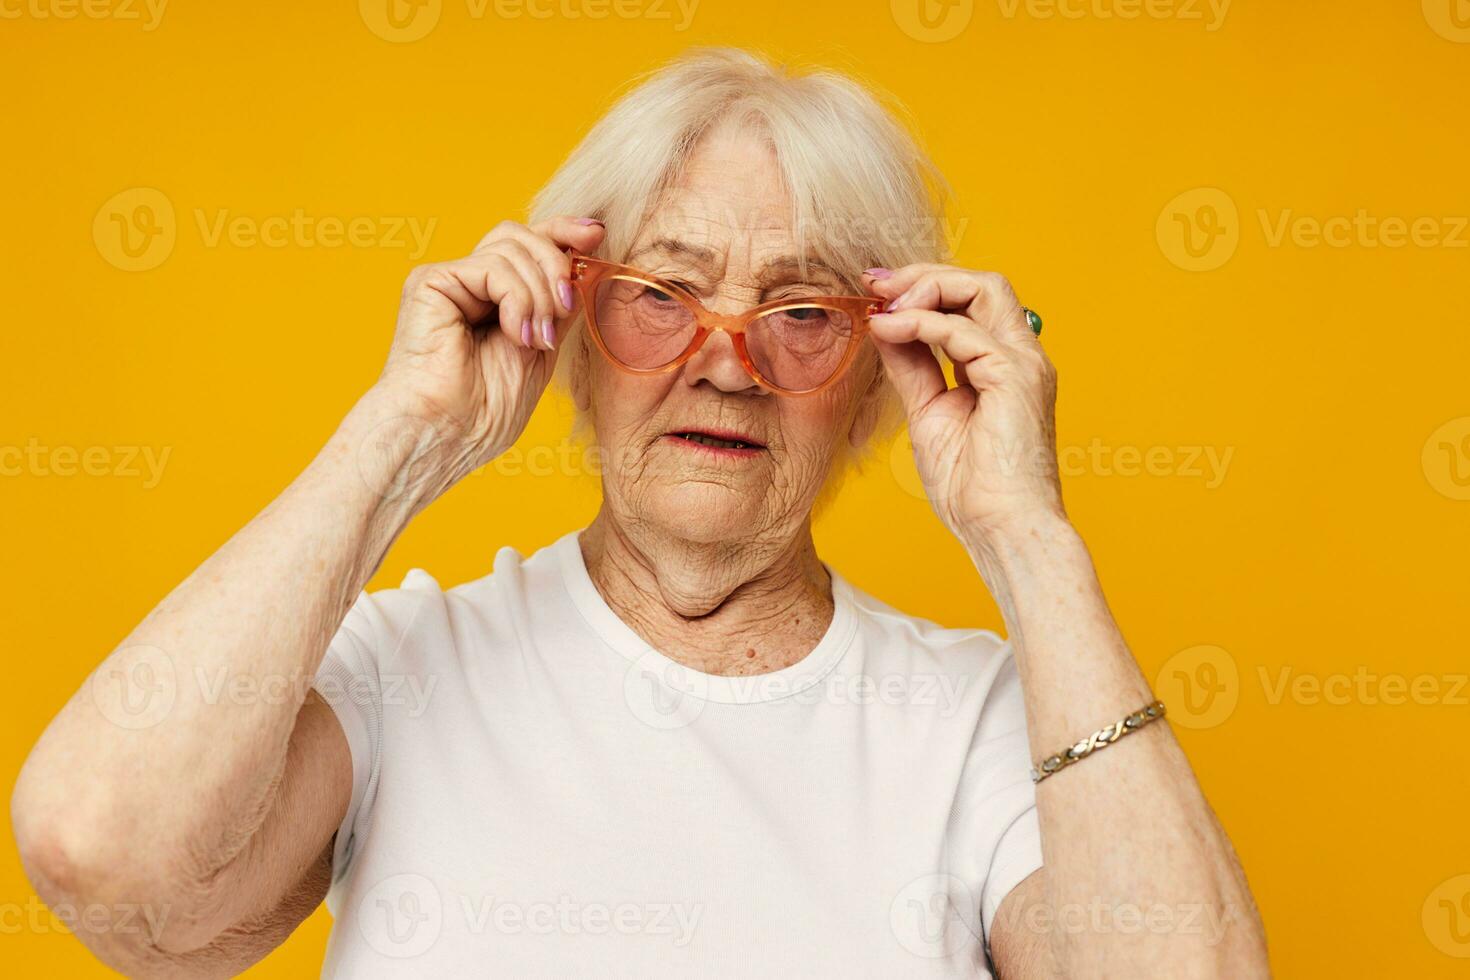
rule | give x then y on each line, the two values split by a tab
716	607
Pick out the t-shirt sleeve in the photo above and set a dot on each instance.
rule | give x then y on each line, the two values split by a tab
1001	837
350	682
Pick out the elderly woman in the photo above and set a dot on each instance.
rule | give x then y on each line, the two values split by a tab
675	743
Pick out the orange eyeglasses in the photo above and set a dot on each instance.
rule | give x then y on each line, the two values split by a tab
645	325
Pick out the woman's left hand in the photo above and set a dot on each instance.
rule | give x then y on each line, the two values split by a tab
986	448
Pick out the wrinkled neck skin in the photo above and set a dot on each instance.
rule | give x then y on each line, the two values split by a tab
726	608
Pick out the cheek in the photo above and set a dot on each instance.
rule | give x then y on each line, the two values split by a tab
623	403
813	426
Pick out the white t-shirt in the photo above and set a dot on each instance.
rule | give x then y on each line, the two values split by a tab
538	793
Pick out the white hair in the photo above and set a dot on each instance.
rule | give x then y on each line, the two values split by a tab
862	191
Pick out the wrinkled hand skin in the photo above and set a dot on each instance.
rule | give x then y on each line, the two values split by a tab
986	448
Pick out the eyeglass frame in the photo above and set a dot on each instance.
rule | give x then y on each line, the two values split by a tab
587	273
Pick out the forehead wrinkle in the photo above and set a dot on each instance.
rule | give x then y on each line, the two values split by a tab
700	255
792	268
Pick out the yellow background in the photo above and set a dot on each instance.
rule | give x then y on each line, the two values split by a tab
1334	545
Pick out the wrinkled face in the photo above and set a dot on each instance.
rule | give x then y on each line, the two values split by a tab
724	233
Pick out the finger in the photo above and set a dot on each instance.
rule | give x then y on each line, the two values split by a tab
543	305
488	279
970	347
506	229
555	266
986	297
894	282
962	339
569	231
915	372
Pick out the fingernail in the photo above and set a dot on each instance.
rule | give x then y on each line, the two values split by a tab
893	303
548	333
526	331
878	272
588	221
564	290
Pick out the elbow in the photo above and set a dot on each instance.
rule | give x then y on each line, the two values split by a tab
59	851
95	876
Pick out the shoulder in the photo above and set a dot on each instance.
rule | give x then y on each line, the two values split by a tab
421	619
969	671
921	640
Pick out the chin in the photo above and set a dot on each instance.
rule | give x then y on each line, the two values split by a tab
703	510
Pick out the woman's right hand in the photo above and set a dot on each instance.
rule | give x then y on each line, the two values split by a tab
476	338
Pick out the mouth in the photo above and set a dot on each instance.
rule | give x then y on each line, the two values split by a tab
718	441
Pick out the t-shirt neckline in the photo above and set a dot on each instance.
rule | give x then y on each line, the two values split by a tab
751	689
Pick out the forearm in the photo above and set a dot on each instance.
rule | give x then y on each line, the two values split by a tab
1131	846
157	773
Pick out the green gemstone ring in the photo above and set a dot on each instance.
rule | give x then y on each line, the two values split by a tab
1032	320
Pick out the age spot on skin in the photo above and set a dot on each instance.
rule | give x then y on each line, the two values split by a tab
750	653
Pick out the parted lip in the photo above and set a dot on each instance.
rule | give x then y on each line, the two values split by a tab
730	435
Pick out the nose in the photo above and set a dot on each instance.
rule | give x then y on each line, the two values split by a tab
718	364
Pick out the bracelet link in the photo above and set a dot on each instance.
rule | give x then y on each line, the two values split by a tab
1099	739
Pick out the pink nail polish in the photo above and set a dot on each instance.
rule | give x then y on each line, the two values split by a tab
588	221
878	272
564	290
548	333
526	332
893	303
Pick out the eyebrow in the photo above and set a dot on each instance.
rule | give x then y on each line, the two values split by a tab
792	264
700	254
704	256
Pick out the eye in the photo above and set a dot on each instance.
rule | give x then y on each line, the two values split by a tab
806	313
658	295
